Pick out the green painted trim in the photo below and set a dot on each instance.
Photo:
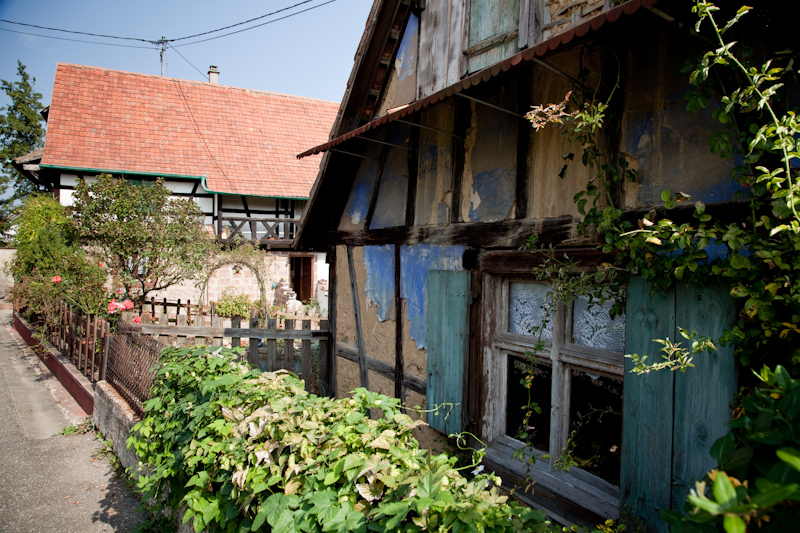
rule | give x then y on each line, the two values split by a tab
160	175
203	184
124	172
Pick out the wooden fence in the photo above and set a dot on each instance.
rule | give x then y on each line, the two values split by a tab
135	349
84	339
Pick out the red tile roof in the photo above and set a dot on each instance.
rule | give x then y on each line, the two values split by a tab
243	141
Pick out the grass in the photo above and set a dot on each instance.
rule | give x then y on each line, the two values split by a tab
77	429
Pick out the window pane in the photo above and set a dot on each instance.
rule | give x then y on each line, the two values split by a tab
525	313
538	424
595	416
592	325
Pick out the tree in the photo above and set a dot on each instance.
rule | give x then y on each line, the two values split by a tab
148	240
21	132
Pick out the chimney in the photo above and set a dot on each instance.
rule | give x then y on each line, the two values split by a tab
213	74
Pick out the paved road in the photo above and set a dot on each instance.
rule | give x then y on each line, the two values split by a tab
51	483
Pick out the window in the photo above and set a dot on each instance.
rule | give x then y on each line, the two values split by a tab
576	381
492	32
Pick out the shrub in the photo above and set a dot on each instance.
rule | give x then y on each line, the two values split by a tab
233	304
49	266
244	449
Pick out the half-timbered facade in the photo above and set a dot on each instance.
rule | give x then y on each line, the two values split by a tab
430	187
231	150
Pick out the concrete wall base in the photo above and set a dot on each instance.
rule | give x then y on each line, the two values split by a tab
115	419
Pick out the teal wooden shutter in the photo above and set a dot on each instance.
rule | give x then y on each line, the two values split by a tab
671	419
447	333
647	408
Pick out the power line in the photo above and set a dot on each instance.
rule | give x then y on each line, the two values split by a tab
177	52
257	25
75	40
240	23
77	32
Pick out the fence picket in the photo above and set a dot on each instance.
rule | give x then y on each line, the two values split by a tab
91	345
216	322
236	322
306	357
288	348
272	348
252	344
322	376
181	320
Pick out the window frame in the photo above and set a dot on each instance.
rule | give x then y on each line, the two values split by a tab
578	486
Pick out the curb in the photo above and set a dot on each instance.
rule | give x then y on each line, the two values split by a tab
76	383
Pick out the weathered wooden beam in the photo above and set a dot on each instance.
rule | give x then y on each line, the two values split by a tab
384	369
399	364
504	234
362	353
524	261
373	198
333	293
413	177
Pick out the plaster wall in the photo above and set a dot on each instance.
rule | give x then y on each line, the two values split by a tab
548	194
435	170
6	280
666	143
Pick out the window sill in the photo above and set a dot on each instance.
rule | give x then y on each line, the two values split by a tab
568	497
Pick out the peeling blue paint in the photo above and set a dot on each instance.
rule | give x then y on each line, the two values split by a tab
358	202
415	263
671	148
493	195
379	286
406	51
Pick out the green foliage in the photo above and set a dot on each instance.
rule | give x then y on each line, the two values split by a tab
78	429
233	304
245	450
21	132
49	266
674	355
149	240
757	484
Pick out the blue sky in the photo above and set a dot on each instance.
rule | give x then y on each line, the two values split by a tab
310	54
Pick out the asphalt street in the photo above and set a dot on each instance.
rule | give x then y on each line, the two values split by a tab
51	482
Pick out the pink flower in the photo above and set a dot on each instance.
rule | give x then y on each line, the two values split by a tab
128	304
112	307
56	279
137	320
101	264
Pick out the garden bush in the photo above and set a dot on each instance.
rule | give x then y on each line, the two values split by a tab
49	266
233	304
246	450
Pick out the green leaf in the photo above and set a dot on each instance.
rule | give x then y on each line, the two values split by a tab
790	456
773	496
734	524
723	490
